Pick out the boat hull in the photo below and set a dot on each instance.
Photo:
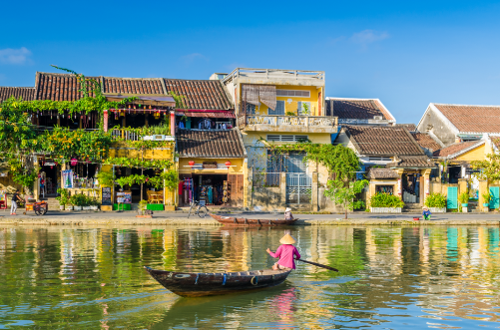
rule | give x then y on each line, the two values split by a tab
235	221
211	284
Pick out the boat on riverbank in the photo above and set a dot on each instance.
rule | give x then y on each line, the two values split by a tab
211	284
236	221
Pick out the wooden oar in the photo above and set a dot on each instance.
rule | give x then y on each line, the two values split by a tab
319	265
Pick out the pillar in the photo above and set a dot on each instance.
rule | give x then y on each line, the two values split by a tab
314	192
427	189
483	188
247	184
105	120
172	123
283	189
462	186
399	190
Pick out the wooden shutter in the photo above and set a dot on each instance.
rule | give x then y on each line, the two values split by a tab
235	182
452	198
495	197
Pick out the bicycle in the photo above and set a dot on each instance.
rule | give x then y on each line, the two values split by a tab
201	210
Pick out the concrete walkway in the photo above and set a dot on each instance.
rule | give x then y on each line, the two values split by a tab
181	218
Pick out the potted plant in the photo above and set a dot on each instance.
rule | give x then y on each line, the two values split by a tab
94	204
63	198
78	201
464	200
386	203
143	211
486	200
436	203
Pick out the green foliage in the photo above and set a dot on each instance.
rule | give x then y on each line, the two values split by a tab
290	113
346	195
80	200
105	178
436	200
80	144
486	197
131	179
63	197
464	197
171	179
23	174
490	168
386	200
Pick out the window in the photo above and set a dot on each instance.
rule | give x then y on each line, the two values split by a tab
379	159
250	109
292	93
290	163
280	109
287	138
304	108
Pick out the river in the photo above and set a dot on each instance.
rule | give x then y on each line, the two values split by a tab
390	278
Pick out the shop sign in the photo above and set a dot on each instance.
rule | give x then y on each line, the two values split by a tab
106	196
209	164
49	164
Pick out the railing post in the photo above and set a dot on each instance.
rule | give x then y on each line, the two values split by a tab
276	121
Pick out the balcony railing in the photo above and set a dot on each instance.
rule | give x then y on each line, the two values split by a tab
275	74
294	121
125	135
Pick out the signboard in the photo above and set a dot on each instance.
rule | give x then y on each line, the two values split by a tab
106	196
124	197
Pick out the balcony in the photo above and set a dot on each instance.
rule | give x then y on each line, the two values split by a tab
300	124
276	77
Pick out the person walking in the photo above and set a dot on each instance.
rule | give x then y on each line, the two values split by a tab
285	253
15	199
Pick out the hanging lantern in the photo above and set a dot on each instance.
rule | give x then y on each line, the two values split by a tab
157	115
228	164
191	163
73	161
122	113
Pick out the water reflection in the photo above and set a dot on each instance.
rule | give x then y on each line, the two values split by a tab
390	277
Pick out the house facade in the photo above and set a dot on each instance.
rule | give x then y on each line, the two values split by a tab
276	107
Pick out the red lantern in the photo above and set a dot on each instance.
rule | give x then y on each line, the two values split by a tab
191	163
74	161
228	164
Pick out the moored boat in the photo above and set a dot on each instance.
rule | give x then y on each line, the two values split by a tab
211	284
236	221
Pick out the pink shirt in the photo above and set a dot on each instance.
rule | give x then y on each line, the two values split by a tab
286	252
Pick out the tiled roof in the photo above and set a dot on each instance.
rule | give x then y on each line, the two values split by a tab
456	148
57	87
412	161
425	141
410	127
210	144
382	173
383	140
137	86
27	93
200	94
496	141
363	109
472	118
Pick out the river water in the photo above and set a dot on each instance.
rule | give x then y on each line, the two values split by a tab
390	278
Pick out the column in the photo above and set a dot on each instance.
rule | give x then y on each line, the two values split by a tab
314	192
283	189
427	189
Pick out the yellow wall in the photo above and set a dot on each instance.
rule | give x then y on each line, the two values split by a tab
478	153
236	166
123	150
292	107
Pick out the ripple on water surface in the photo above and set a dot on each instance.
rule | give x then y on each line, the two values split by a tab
390	278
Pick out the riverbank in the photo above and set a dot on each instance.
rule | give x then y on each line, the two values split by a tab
181	218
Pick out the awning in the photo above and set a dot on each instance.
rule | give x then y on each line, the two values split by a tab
206	114
158	100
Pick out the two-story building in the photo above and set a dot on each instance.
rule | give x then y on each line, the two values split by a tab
281	107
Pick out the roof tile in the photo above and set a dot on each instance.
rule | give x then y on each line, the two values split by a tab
57	87
27	93
200	94
384	140
455	148
426	141
472	118
209	143
356	109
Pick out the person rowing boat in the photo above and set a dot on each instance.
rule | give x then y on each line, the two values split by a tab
285	253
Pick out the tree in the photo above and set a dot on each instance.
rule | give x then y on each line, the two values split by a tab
490	168
345	194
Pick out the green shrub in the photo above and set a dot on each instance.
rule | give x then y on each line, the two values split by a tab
63	197
486	197
386	200
464	197
81	200
436	200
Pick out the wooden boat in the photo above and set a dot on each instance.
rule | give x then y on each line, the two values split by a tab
211	284
234	221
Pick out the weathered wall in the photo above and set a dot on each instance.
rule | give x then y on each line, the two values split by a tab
121	149
434	123
478	153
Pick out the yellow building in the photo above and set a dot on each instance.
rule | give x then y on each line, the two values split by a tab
277	107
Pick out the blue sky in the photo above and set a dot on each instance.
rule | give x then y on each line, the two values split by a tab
408	54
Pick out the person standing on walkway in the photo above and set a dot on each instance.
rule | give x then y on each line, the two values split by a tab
15	199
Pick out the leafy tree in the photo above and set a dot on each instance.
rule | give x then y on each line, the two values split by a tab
345	194
490	168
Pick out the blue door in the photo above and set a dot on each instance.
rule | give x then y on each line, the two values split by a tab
495	197
452	198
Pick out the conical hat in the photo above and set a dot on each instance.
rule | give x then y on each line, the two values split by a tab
287	239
